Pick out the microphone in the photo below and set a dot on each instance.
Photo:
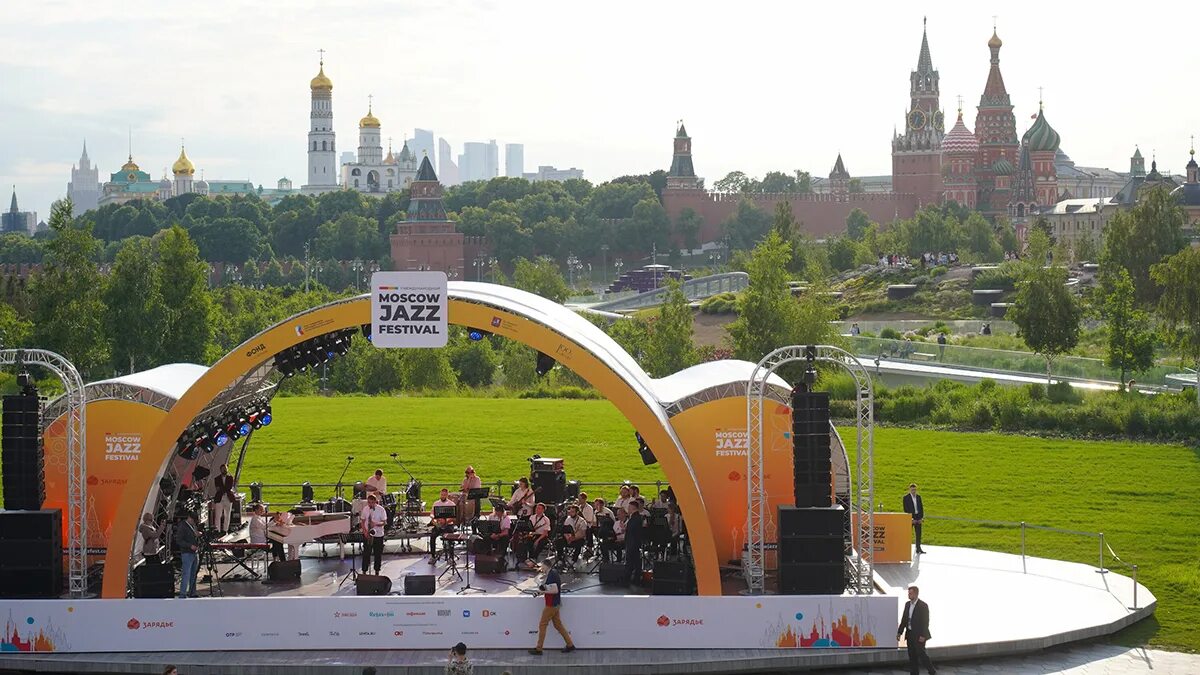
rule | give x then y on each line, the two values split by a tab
394	455
350	458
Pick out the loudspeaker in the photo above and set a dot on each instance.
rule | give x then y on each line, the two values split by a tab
801	522
31	565
153	580
419	584
572	489
812	578
827	548
613	573
490	564
672	587
21	459
550	488
284	570
669	570
371	584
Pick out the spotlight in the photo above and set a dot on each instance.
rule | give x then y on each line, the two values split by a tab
644	450
200	473
245	429
476	335
256	492
366	331
221	439
544	363
306	493
266	418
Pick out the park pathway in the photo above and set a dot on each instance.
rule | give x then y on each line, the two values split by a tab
1085	659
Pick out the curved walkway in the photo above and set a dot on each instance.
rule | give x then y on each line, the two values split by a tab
1089	659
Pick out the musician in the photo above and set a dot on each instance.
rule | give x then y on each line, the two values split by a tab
499	540
599	510
663	500
281	527
536	540
258	531
576	531
675	526
439	526
522	500
612	540
151	532
377	484
635	492
373	517
633	542
589	516
470	481
622	500
223	499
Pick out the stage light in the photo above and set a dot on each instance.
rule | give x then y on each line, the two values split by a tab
256	492
266	418
307	496
200	473
644	450
245	429
476	335
221	439
544	363
366	331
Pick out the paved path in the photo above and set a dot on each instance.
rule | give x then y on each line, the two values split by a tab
1087	659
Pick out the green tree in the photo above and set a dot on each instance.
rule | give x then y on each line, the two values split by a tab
427	369
473	361
843	253
857	224
687	228
68	307
803	182
1007	237
540	277
980	238
1130	346
1046	313
1143	236
1178	279
855	187
136	316
15	331
381	371
1037	247
183	282
518	364
768	317
747	225
776	182
651	228
784	223
734	181
815	316
669	348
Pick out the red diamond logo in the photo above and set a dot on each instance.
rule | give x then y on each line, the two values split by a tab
134	624
664	621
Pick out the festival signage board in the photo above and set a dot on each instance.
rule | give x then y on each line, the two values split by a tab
434	622
409	309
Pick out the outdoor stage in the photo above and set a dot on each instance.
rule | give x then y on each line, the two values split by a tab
982	604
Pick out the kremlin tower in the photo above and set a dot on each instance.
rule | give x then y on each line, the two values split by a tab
916	154
960	149
996	130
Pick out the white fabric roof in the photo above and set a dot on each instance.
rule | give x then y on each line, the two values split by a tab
170	380
705	375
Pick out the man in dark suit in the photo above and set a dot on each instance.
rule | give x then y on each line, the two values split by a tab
633	543
916	508
914	625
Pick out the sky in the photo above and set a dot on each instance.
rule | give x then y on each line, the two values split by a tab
595	85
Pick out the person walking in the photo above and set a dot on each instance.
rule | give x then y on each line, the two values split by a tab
915	506
188	538
914	626
459	664
551	589
941	340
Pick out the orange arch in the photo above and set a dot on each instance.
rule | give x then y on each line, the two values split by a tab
537	329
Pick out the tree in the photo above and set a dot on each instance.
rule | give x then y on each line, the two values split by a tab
473	361
747	225
427	369
1037	247
518	364
734	181
776	182
68	315
1130	345
784	223
843	253
803	182
15	331
815	317
136	316
768	317
1046	313
1141	237
183	282
540	277
855	186
857	224
980	238
687	228
1178	279
669	348
651	228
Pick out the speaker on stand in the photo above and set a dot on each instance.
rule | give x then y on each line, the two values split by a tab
21	459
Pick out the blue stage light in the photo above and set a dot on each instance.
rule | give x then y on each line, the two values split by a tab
266	419
244	430
475	335
221	439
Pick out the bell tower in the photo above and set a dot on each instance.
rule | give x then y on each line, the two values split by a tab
916	154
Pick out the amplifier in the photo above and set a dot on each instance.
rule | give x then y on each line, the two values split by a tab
812	578
419	584
490	564
672	571
284	570
613	573
371	584
541	464
804	522
154	580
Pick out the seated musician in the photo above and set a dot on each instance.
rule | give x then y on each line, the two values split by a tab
576	530
470	481
439	526
522	500
377	484
662	500
498	541
622	500
612	538
600	510
635	493
536	540
589	516
675	525
281	527
372	520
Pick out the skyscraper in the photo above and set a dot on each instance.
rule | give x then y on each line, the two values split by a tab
322	149
479	161
514	160
421	146
446	164
84	188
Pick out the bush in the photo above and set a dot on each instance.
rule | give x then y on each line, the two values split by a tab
937	271
569	392
722	303
1003	277
889	334
1062	392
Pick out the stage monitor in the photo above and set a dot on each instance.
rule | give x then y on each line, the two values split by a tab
478	493
443	512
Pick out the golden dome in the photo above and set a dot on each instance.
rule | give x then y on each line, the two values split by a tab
320	82
995	42
369	121
130	165
183	165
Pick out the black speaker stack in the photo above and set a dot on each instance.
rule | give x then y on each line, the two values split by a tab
154	580
813	481
673	578
21	456
419	584
548	479
31	564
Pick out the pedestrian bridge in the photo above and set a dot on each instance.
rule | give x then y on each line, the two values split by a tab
694	289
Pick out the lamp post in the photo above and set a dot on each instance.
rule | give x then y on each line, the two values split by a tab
478	263
589	265
357	267
572	265
617	265
235	275
604	262
317	268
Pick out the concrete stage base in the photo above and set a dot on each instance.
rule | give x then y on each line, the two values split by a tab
981	605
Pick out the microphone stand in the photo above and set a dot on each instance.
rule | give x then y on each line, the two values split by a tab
337	490
396	459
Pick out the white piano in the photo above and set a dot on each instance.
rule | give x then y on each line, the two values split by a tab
311	527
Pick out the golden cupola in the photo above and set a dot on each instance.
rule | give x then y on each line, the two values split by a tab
321	82
183	166
370	121
130	165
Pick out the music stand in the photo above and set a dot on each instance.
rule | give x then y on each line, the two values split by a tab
475	495
353	573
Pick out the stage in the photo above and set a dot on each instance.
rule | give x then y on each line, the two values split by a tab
981	605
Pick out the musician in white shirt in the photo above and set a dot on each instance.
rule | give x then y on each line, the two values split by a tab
377	484
522	500
576	531
540	536
589	516
281	527
622	500
439	526
372	519
499	540
664	498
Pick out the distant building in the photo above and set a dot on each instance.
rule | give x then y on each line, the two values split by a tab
421	145
1088	182
479	161
84	188
514	160
16	220
373	173
129	184
427	239
1072	220
446	163
346	158
283	188
231	187
552	173
322	141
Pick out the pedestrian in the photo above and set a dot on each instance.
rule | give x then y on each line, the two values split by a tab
459	664
551	589
915	506
914	625
170	670
941	340
187	536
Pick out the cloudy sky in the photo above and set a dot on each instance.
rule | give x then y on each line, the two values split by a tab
596	85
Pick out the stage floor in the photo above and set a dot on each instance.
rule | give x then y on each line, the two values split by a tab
981	606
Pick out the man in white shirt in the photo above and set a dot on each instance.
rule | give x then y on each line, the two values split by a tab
662	501
372	520
589	516
576	531
438	526
499	540
541	532
622	500
522	499
377	484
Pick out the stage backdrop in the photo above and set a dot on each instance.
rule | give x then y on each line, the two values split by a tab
437	622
